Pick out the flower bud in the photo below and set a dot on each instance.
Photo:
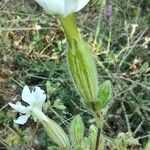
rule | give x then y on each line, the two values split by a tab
92	136
104	95
77	129
93	139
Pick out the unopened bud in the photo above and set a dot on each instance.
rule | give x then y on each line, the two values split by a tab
93	137
104	95
77	129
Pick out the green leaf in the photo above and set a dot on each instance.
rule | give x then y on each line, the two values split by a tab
104	95
59	105
49	88
144	68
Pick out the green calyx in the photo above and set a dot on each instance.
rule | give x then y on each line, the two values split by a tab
83	69
80	61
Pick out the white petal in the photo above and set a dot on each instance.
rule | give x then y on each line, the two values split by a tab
27	96
81	4
19	107
70	6
22	119
52	6
62	7
39	95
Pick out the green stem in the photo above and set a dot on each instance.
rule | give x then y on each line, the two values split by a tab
99	118
98	138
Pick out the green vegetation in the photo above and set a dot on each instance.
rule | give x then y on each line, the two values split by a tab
33	52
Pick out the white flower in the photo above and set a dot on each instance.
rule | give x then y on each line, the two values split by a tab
62	7
34	98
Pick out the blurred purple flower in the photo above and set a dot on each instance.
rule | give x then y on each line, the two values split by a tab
108	12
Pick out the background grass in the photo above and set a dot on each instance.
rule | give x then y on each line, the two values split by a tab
33	57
